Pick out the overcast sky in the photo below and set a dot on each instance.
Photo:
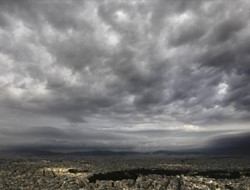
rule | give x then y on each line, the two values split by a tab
123	74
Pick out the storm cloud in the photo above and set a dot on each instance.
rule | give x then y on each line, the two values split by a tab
97	73
231	144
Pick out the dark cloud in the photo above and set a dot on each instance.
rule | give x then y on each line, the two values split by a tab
230	144
60	139
116	64
227	28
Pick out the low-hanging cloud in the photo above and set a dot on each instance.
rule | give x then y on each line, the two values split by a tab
230	144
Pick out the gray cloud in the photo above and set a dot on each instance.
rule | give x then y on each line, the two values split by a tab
230	144
118	64
57	139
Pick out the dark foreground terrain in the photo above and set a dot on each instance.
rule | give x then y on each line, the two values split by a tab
157	172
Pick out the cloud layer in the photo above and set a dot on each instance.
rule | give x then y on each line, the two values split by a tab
123	70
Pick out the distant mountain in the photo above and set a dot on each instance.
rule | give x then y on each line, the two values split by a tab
25	152
102	153
180	152
41	153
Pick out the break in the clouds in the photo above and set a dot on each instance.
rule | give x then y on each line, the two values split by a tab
137	75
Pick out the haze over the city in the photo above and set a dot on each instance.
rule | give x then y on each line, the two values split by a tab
124	75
